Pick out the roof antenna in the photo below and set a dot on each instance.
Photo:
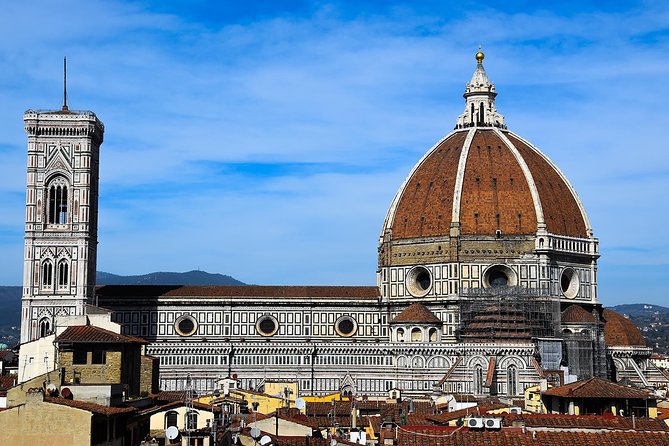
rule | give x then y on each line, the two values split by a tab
65	83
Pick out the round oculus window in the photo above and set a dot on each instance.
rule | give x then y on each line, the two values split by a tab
267	325
185	325
499	276
346	326
419	281
569	283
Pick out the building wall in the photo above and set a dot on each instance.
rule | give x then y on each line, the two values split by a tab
157	420
148	379
36	358
38	423
89	373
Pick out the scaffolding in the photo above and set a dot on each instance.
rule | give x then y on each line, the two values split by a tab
507	314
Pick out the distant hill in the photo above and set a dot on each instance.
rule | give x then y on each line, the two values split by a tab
652	320
10	296
168	278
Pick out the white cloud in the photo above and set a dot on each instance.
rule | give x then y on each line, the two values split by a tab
370	91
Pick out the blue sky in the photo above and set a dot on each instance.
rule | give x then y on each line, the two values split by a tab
267	140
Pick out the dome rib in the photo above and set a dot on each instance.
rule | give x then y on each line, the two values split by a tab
563	217
459	179
495	194
538	208
432	216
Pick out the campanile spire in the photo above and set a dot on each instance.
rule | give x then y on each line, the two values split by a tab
479	97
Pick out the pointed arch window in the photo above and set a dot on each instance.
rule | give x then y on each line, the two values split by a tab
63	273
478	379
57	194
47	274
44	327
512	380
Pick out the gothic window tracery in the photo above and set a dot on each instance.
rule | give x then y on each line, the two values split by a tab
478	379
63	273
44	327
47	274
57	199
512	380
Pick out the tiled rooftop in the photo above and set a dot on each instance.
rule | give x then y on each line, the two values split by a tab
558	421
91	407
598	388
416	313
620	331
575	314
430	437
238	291
91	334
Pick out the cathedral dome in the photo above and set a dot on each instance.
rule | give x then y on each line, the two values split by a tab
620	331
484	180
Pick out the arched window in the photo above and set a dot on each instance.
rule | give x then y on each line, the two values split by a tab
416	335
63	274
191	420
57	201
433	335
512	380
47	273
44	327
171	419
478	379
400	335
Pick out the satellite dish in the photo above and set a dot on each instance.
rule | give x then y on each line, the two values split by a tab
266	439
66	393
172	432
255	432
52	389
300	403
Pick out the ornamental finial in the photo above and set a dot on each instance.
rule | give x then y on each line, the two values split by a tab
479	55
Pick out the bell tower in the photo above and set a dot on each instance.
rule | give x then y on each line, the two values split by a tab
61	216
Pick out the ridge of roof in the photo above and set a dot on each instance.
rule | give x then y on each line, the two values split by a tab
93	334
335	291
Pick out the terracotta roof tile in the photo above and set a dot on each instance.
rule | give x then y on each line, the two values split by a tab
598	388
172	395
562	213
495	193
575	314
416	313
7	381
91	407
91	334
586	422
425	207
620	331
464	437
480	410
232	291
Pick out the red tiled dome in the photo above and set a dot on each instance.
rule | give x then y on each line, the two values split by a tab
416	313
575	314
485	179
620	331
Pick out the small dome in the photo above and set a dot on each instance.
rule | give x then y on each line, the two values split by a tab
416	314
575	314
620	331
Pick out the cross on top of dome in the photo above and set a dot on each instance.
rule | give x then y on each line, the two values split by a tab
479	97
